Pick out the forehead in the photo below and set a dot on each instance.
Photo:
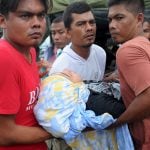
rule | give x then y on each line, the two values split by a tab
30	6
57	25
146	24
116	10
82	17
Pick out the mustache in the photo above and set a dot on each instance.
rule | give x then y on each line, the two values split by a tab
89	35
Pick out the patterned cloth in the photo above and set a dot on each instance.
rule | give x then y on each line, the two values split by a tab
110	88
61	110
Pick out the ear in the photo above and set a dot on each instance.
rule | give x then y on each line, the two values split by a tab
68	33
140	18
2	21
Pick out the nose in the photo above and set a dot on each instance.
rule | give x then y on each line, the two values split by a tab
36	21
56	36
112	24
89	27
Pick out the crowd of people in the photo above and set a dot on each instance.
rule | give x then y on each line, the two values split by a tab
70	46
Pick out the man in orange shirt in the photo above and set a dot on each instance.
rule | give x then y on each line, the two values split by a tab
133	62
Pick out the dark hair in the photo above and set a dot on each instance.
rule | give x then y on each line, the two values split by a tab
134	6
7	6
77	8
58	19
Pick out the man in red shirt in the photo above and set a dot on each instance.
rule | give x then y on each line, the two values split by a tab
23	23
133	62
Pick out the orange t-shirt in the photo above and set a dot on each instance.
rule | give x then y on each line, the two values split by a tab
133	62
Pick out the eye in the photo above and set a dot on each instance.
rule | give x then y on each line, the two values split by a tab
80	23
42	15
61	32
53	33
119	18
25	16
92	22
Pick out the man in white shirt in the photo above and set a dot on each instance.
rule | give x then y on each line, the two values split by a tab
81	55
91	68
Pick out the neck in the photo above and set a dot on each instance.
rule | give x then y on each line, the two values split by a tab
81	51
25	51
139	31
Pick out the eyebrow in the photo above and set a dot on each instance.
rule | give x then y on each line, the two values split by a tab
114	16
29	12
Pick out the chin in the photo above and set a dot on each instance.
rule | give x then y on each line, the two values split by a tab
87	45
118	41
36	42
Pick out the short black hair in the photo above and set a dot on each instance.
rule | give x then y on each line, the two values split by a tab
134	6
77	8
58	19
7	6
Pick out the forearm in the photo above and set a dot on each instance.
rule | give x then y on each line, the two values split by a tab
12	134
137	110
24	135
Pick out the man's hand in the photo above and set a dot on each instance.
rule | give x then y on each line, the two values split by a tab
44	67
112	77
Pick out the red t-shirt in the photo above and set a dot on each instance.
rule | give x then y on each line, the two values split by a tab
19	89
133	61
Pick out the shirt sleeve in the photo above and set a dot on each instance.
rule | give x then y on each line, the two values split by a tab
134	66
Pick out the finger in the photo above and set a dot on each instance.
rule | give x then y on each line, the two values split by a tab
66	72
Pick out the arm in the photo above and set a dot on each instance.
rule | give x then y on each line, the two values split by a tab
12	134
132	60
137	110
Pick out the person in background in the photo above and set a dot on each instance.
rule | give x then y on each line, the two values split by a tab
59	34
133	63
23	23
146	28
46	49
52	47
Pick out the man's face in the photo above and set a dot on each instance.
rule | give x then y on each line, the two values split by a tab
146	29
26	26
83	29
59	35
122	23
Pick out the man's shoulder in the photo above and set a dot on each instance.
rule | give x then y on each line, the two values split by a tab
99	50
139	41
60	63
5	48
4	43
133	47
96	46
